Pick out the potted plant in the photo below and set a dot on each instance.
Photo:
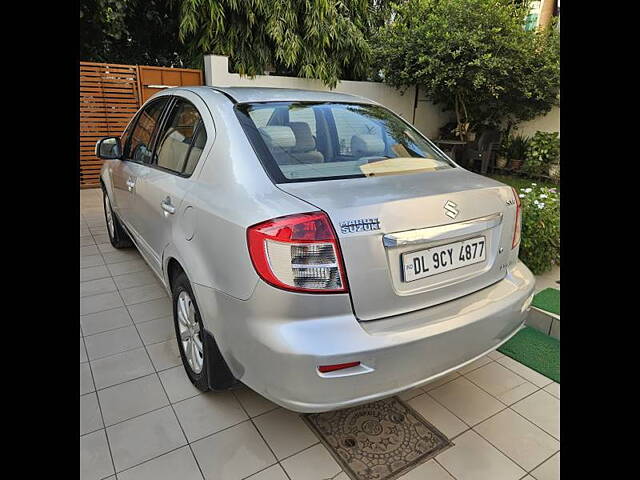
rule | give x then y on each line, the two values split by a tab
543	154
517	151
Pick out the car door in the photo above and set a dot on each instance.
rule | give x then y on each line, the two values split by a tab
167	178
137	146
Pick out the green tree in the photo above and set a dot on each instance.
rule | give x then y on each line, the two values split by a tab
143	32
473	57
322	39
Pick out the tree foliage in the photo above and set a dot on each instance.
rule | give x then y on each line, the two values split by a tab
143	32
472	56
322	39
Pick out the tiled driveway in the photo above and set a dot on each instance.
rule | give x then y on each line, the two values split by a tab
140	418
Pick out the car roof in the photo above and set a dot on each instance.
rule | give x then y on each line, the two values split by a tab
270	94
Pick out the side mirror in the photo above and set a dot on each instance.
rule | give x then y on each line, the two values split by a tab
109	148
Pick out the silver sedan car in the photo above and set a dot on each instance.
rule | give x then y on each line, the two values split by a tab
316	246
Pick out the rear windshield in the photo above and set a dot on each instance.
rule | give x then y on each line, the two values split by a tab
322	141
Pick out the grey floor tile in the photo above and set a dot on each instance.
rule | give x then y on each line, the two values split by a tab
473	458
112	342
549	470
475	364
165	354
285	432
99	303
143	312
467	401
430	470
409	394
553	389
95	462
86	381
519	439
83	351
274	472
130	266
93	273
101	238
209	413
106	320
436	414
136	279
121	367
91	261
90	418
234	453
314	462
98	231
130	399
89	250
158	330
121	256
525	372
254	403
98	286
176	465
86	240
145	437
106	248
543	409
177	384
440	381
502	383
145	293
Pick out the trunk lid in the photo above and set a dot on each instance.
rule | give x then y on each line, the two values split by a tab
378	219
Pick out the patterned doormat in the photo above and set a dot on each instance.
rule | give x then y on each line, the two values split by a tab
378	441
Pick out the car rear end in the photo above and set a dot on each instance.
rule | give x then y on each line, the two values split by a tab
403	268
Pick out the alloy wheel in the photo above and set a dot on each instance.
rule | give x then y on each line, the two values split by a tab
190	334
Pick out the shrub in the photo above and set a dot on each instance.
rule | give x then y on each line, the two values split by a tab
542	151
515	147
540	240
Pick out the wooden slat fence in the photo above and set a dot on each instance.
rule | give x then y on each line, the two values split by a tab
110	94
109	97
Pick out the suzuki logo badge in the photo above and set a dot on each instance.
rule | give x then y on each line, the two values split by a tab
451	209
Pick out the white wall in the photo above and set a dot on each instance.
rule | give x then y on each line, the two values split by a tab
428	117
547	123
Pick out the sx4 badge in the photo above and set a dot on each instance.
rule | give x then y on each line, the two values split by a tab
360	225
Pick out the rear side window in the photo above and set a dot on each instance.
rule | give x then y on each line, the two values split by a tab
306	141
182	140
139	145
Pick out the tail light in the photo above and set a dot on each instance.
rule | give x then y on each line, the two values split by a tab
298	253
518	223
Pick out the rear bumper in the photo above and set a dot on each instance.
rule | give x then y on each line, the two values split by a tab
274	341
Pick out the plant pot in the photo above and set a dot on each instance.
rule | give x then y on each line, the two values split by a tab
516	164
501	161
554	170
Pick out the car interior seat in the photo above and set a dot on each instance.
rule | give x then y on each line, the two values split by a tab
304	150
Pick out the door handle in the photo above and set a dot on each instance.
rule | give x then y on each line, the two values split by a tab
167	207
130	183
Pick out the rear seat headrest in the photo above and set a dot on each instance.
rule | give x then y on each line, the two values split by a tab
277	136
366	145
304	138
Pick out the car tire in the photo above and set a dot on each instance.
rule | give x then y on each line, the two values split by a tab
201	358
117	234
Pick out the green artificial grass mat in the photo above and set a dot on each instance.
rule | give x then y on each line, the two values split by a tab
548	300
536	350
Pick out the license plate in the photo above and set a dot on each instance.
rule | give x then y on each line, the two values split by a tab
431	261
